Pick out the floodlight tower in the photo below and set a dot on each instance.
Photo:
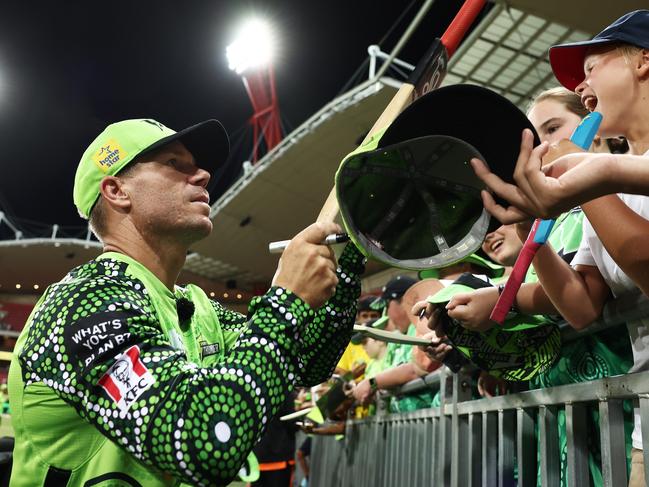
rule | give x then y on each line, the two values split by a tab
250	56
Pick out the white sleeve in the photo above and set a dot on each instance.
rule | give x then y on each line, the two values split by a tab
584	256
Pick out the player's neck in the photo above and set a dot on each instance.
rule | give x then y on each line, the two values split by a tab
165	258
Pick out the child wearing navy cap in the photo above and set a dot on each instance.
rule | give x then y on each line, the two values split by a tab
611	75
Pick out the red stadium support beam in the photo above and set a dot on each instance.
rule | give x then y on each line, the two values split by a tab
265	121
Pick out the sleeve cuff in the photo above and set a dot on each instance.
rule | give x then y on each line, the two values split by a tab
286	306
352	260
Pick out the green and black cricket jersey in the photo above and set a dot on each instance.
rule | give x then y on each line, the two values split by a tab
109	386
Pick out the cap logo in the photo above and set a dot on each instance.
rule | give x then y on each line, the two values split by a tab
153	122
108	155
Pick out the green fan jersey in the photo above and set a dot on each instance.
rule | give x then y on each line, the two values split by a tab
590	357
117	380
586	358
398	354
565	238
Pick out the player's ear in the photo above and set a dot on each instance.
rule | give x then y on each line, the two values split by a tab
114	194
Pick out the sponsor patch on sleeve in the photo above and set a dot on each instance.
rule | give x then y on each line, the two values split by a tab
127	379
97	337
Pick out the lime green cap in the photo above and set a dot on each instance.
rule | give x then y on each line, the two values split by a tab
120	143
491	268
445	295
521	349
467	283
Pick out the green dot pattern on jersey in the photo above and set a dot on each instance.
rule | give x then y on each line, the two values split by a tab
196	422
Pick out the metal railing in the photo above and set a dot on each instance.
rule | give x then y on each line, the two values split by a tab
502	441
488	442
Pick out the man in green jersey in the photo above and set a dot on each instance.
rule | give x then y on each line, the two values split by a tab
122	377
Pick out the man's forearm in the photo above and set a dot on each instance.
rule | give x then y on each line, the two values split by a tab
330	330
330	428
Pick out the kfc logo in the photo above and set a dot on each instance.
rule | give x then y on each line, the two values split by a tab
120	370
127	379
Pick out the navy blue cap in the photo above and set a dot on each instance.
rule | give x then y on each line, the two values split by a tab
365	304
396	287
567	60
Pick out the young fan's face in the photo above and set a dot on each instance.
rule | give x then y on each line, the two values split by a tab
552	120
503	245
367	315
609	88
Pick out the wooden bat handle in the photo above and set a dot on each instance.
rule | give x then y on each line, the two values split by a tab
451	39
330	209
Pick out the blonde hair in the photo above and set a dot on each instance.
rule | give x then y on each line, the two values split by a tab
567	98
628	50
97	219
572	102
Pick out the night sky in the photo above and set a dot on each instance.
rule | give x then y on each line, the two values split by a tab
67	69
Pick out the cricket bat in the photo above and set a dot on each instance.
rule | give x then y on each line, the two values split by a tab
427	76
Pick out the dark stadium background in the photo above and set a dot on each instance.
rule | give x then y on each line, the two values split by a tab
69	68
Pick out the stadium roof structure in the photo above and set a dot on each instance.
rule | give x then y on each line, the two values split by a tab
283	193
507	52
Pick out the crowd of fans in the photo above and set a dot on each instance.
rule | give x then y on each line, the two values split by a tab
386	366
596	251
433	302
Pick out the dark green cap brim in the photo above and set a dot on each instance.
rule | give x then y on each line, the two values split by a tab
515	355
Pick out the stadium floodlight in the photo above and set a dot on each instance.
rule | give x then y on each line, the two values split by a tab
253	46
